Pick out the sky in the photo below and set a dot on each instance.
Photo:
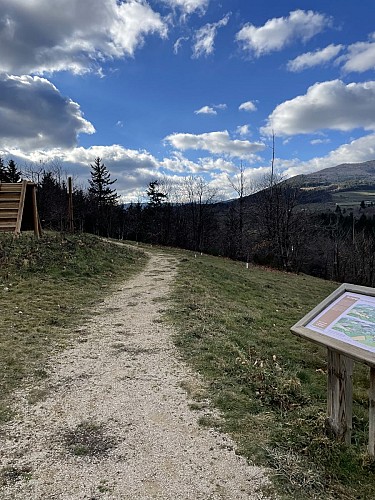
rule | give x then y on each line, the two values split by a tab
167	89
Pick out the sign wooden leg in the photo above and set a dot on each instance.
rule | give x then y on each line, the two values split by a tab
371	416
340	395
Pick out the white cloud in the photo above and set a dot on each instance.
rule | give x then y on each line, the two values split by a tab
189	6
206	110
311	59
328	105
133	169
178	43
215	143
210	110
33	114
357	151
74	35
360	56
247	106
314	142
276	33
179	163
204	38
243	130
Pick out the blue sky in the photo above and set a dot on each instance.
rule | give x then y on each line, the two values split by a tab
164	89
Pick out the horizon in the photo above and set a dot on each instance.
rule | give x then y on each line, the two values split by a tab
164	89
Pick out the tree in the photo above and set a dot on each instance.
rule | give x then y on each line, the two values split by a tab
103	198
100	182
3	172
155	195
14	175
199	196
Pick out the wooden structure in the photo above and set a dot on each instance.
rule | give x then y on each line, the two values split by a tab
18	208
322	326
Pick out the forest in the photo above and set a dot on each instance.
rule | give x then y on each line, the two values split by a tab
272	227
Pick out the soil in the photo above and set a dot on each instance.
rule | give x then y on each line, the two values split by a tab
113	420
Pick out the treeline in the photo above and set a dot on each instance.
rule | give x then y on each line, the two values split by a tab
272	227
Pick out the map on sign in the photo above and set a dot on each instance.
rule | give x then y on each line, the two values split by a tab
350	318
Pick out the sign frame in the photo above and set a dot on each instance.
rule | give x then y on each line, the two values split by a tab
340	357
352	351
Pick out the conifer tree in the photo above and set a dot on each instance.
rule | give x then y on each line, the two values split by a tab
100	185
3	172
14	175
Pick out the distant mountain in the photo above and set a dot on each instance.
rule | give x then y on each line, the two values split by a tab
346	175
345	185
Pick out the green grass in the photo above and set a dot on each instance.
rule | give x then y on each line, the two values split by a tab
269	385
47	287
353	198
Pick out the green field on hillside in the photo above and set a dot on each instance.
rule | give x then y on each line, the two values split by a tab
269	385
353	199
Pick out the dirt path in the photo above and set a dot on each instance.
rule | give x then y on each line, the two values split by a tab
116	423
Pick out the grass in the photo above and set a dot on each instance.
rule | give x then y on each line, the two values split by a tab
269	385
88	439
47	287
353	198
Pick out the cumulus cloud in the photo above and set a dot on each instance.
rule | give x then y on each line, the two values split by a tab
117	157
210	110
279	32
311	59
204	39
328	105
360	56
74	35
247	106
243	130
133	169
179	163
33	114
215	143
356	151
206	110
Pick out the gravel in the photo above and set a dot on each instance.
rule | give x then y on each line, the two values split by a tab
115	422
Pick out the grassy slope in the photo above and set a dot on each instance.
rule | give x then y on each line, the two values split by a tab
270	386
46	288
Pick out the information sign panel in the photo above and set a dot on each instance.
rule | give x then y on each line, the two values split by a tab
345	322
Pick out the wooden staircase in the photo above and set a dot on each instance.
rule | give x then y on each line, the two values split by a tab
12	204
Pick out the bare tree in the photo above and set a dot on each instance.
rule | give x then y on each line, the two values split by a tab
199	196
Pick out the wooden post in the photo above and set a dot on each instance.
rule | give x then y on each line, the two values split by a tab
36	221
340	395
70	205
371	416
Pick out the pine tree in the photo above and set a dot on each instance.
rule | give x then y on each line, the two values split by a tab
155	195
14	175
3	172
100	183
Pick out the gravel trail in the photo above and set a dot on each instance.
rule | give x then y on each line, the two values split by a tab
115	423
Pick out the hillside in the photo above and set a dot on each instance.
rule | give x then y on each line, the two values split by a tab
346	185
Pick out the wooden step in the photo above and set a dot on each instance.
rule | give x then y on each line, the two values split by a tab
4	217
10	188
7	226
9	204
8	212
10	196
